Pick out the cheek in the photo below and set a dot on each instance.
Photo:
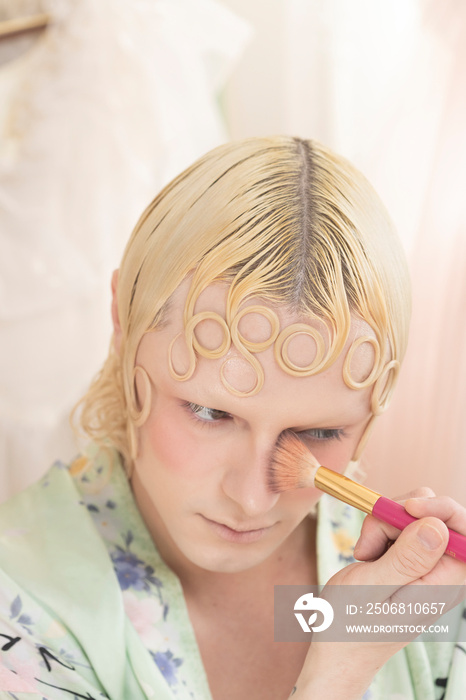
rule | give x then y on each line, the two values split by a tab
305	499
299	503
335	455
174	449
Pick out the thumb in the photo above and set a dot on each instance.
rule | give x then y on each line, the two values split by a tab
415	553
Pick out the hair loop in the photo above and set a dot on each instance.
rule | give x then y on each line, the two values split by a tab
193	345
139	416
133	447
221	349
257	367
239	339
372	376
384	387
364	439
281	350
192	361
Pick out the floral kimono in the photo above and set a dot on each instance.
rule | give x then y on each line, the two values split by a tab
88	609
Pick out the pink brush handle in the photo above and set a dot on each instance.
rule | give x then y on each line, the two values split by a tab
394	514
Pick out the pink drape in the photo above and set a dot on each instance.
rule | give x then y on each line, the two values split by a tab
422	438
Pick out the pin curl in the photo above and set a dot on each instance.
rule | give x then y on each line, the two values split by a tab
381	376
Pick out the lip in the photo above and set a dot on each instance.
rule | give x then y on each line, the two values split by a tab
238	535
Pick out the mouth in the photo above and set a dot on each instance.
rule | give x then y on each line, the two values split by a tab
239	533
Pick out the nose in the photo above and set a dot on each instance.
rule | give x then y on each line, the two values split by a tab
245	479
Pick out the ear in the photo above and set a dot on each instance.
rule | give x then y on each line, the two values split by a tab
115	317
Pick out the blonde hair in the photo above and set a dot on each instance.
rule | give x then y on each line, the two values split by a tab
281	219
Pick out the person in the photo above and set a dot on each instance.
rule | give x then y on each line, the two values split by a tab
262	291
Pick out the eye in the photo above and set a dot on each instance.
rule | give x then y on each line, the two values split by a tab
205	414
322	434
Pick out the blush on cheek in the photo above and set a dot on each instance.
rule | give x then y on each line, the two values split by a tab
173	448
302	501
335	456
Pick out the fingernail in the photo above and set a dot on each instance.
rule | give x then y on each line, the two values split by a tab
429	536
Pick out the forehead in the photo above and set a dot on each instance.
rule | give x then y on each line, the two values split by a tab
254	328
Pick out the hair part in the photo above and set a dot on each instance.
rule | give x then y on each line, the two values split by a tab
280	219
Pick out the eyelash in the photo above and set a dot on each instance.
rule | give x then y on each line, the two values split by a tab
194	409
323	434
316	434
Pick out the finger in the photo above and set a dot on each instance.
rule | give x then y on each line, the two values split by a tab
374	539
422	502
420	492
413	555
442	507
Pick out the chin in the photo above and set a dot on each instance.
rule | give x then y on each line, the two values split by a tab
227	563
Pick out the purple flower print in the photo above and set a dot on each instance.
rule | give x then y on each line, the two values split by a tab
131	571
16	613
168	665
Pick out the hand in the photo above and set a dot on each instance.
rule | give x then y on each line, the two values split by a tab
409	558
414	556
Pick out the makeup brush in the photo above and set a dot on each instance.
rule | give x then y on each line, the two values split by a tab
293	466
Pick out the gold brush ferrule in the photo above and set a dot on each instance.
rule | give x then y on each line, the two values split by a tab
345	489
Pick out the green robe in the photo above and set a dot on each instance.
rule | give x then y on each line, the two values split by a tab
88	609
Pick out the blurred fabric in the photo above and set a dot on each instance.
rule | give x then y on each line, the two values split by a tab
113	100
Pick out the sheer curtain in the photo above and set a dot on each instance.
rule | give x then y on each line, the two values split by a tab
423	437
115	98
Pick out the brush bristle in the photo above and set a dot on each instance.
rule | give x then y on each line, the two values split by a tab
293	466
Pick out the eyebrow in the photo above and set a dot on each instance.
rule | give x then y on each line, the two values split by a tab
207	400
214	402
